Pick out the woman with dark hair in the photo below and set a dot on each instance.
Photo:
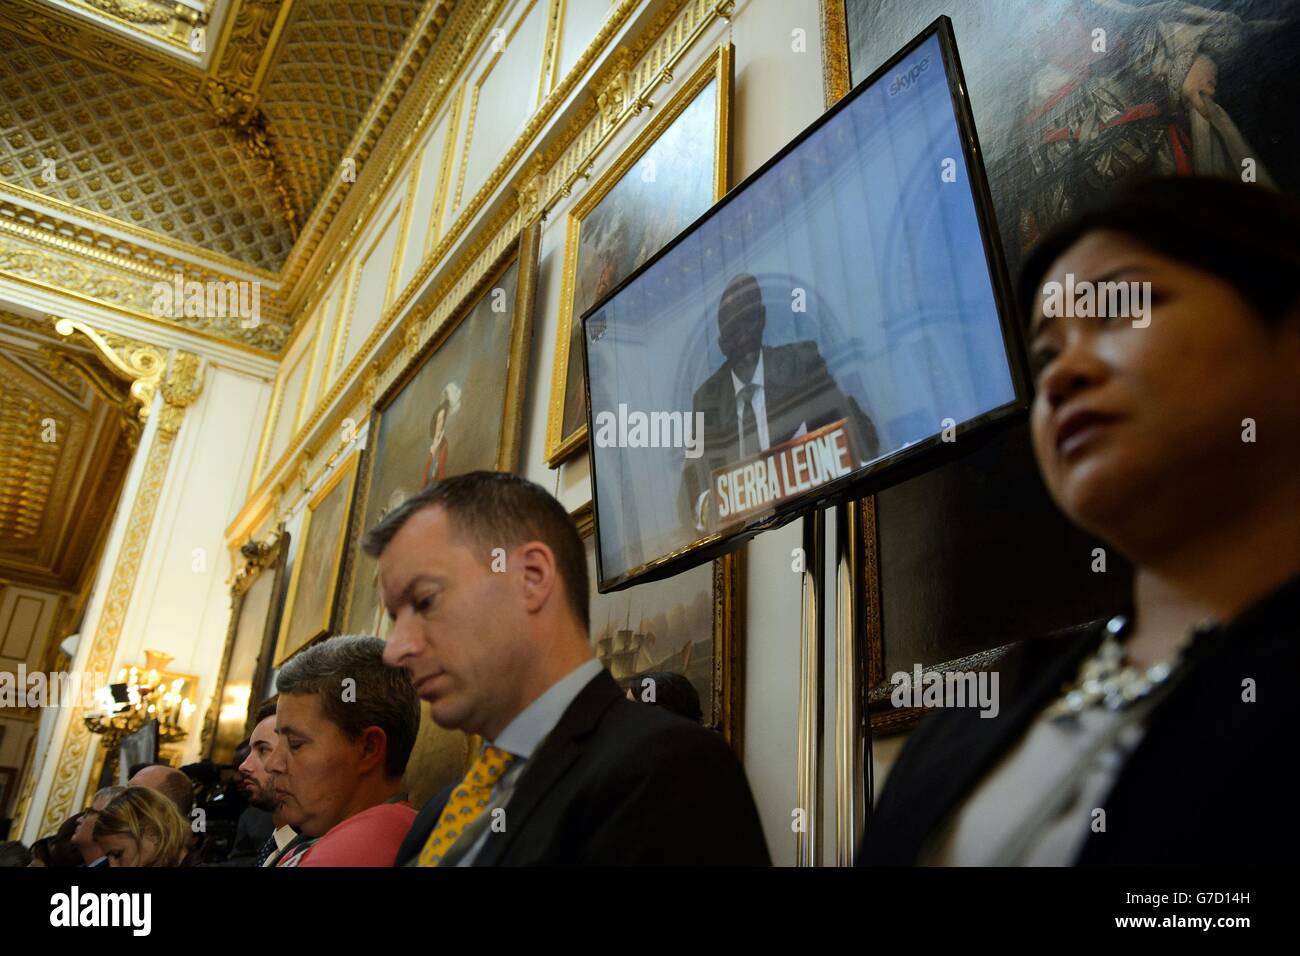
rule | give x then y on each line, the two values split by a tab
1172	432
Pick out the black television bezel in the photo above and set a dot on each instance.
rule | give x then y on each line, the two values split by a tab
904	463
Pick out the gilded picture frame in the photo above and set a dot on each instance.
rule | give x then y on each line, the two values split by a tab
722	700
390	465
312	598
566	421
256	598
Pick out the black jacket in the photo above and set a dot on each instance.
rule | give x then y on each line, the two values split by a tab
1212	780
797	389
620	783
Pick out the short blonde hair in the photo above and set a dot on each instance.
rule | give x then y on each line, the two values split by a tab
138	812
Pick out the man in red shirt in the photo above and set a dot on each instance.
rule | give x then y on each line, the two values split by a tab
345	726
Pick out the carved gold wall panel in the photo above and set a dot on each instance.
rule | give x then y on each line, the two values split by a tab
180	387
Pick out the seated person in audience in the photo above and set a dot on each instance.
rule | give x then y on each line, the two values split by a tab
58	850
485	578
14	854
179	789
141	827
1171	433
256	781
673	692
168	781
345	726
83	838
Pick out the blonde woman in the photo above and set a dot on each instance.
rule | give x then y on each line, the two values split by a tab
141	827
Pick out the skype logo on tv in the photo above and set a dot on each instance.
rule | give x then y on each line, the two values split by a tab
907	80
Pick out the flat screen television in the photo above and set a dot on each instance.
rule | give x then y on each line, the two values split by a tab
838	322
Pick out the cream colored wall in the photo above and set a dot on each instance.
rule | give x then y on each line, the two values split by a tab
778	92
181	601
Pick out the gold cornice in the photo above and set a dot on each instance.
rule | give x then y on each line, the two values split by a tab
313	284
54	219
76	36
134	362
137	316
249	34
456	42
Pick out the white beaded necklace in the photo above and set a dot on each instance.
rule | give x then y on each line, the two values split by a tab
1106	678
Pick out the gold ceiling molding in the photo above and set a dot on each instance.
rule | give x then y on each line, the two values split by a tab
246	41
64	271
173	19
58	272
61	225
65	455
453	32
666	39
134	362
31	414
290	83
307	275
328	72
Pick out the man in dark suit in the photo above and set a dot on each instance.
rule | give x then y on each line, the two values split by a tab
485	578
762	396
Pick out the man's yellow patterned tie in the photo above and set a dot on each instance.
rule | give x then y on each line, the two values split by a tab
467	803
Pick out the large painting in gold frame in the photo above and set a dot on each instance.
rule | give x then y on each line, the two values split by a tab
690	624
657	186
309	608
246	659
455	408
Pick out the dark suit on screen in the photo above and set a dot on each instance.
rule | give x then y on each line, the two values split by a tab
620	783
798	390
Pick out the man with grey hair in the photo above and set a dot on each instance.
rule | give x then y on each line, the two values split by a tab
345	726
83	838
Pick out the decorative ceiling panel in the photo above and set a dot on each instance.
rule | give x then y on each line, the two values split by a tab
65	457
333	59
168	23
125	151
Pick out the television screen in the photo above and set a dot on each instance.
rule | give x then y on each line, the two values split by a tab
836	323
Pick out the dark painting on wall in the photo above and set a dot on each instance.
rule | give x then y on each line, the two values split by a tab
1074	97
1071	99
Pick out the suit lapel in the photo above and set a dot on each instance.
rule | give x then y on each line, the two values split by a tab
558	752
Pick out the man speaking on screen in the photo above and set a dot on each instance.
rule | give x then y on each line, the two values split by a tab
762	397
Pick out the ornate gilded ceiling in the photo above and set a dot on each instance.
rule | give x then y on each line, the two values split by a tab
111	122
330	65
133	154
66	452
